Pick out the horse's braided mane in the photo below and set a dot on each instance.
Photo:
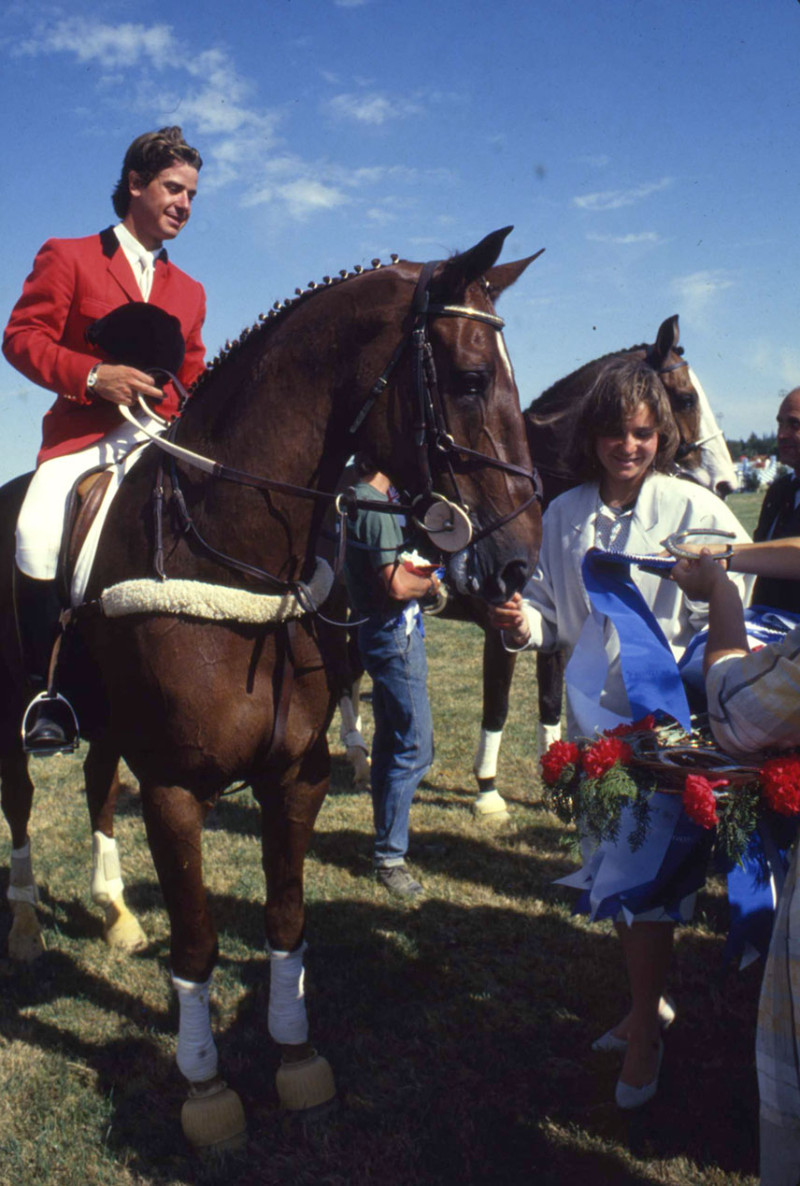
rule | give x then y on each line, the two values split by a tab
267	321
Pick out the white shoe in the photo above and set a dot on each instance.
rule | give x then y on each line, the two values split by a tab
628	1097
609	1043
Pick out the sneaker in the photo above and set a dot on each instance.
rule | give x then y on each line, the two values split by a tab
397	880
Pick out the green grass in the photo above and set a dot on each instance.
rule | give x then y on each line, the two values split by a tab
458	1030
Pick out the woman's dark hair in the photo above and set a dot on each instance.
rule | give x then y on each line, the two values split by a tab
147	156
620	388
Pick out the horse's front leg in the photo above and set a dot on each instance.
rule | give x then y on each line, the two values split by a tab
212	1116
25	940
288	812
550	678
121	929
498	672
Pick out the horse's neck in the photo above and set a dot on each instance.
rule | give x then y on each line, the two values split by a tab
269	415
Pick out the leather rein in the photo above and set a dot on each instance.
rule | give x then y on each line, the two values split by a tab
430	432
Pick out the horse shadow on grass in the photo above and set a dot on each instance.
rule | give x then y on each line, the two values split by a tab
460	1036
460	1040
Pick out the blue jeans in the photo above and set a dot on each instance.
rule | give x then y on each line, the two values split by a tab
402	747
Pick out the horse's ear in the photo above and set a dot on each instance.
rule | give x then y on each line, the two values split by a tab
503	276
462	269
666	340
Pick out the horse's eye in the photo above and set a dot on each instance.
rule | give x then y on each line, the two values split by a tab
472	383
683	402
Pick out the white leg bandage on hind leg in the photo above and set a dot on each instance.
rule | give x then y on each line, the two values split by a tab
545	736
485	763
350	731
107	883
21	886
197	1053
287	1019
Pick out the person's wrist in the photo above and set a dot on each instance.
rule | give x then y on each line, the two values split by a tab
91	379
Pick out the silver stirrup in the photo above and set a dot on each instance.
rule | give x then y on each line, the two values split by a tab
68	747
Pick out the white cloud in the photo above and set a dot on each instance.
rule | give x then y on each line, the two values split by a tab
373	108
112	46
305	196
768	360
626	240
697	291
614	199
168	80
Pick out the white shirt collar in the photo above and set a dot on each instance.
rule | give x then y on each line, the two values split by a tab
142	261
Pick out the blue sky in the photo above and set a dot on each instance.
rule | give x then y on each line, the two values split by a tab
651	147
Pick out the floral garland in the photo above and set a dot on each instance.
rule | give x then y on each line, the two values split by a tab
594	779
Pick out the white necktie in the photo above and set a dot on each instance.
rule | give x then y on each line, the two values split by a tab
146	277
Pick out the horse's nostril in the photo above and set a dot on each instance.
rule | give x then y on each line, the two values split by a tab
514	577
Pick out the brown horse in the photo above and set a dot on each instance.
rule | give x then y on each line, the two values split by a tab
702	456
406	361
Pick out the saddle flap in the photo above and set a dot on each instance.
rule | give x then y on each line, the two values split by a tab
84	502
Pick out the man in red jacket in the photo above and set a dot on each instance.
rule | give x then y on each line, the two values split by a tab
74	283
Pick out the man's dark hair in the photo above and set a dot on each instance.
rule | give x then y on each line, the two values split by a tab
147	156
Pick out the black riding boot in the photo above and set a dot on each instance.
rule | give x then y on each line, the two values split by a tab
49	725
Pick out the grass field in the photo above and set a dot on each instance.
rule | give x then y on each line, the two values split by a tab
458	1030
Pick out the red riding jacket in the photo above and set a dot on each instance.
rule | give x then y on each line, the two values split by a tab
73	283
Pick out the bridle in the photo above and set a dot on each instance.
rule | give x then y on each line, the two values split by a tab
431	437
686	447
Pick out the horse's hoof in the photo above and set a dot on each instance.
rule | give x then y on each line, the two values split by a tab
25	941
121	929
490	806
359	761
305	1085
213	1117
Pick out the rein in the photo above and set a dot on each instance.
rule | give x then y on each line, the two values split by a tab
430	432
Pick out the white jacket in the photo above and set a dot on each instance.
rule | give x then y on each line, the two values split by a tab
555	601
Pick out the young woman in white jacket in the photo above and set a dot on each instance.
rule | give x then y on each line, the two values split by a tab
628	502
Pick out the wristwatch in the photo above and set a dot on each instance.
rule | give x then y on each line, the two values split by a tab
91	378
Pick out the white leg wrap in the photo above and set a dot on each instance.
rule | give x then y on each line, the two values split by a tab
485	763
350	731
287	1020
197	1054
21	886
107	883
545	736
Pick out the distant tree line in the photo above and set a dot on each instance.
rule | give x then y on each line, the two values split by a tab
754	446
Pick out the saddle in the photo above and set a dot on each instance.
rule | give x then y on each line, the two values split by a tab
85	500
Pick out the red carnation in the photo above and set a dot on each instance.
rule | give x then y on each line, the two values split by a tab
559	755
780	784
604	754
645	725
698	800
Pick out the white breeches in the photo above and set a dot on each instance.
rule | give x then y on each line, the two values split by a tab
41	520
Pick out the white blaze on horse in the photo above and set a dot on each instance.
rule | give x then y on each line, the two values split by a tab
405	361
